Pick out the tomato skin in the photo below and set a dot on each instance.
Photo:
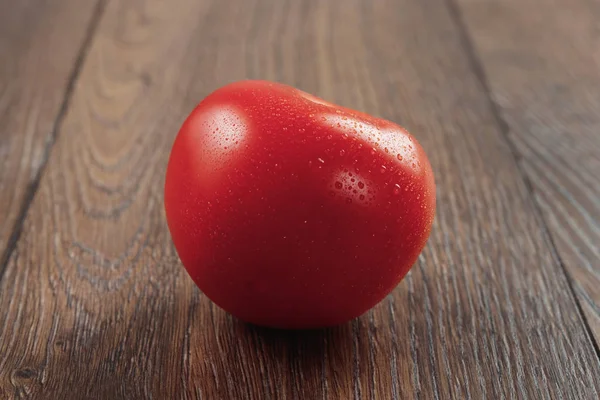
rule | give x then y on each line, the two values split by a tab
291	212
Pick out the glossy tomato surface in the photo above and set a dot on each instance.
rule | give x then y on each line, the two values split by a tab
288	211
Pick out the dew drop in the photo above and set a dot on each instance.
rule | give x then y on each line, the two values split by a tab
361	197
361	185
342	152
352	180
321	160
383	169
396	188
399	157
338	185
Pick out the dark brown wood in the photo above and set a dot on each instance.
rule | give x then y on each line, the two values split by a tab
40	42
543	65
96	305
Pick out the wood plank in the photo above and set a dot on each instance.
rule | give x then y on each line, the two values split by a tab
98	306
542	59
40	42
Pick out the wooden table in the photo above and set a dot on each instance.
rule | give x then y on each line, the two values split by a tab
504	95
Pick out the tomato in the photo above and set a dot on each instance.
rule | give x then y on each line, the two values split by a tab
288	211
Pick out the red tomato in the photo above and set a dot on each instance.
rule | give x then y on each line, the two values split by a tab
292	212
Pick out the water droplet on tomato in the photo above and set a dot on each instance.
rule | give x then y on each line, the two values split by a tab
342	152
348	200
338	185
396	188
321	160
361	185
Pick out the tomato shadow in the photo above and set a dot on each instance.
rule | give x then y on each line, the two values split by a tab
242	360
225	358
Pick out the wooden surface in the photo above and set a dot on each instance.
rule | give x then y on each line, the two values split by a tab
549	102
41	46
502	303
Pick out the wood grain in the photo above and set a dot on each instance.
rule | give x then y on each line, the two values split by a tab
97	306
40	42
542	59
